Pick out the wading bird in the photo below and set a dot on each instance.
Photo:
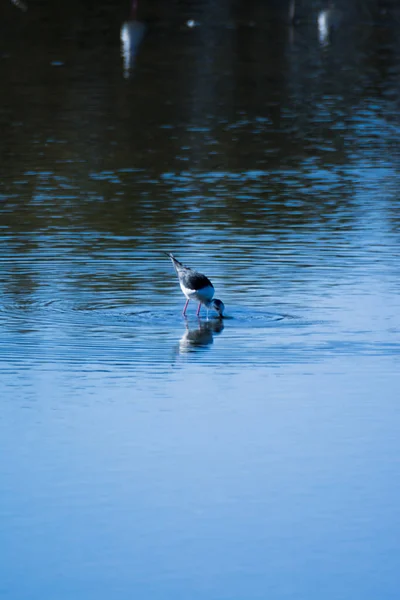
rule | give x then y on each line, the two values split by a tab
196	286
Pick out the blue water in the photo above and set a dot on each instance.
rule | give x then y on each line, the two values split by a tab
149	456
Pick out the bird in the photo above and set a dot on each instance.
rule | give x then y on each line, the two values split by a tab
196	286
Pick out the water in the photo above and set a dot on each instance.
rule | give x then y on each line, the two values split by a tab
148	456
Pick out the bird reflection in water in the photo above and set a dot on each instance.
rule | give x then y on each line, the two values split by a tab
201	337
132	33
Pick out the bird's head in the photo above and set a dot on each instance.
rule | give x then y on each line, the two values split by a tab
219	306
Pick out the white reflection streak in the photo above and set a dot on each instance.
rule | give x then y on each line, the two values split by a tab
323	27
327	20
131	35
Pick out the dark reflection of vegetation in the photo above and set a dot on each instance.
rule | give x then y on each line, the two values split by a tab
243	124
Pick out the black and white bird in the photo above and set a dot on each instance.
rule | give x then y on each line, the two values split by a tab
196	286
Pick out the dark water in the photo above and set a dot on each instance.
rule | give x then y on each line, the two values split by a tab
145	456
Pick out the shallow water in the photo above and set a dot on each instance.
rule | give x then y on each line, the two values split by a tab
147	455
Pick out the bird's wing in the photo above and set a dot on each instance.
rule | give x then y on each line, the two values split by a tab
191	279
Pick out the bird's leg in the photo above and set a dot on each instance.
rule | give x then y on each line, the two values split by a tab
185	307
198	309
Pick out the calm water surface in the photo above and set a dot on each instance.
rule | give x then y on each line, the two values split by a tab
148	456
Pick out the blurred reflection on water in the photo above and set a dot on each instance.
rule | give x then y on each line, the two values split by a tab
132	33
154	457
200	336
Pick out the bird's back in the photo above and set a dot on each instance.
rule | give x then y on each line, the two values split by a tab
189	278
